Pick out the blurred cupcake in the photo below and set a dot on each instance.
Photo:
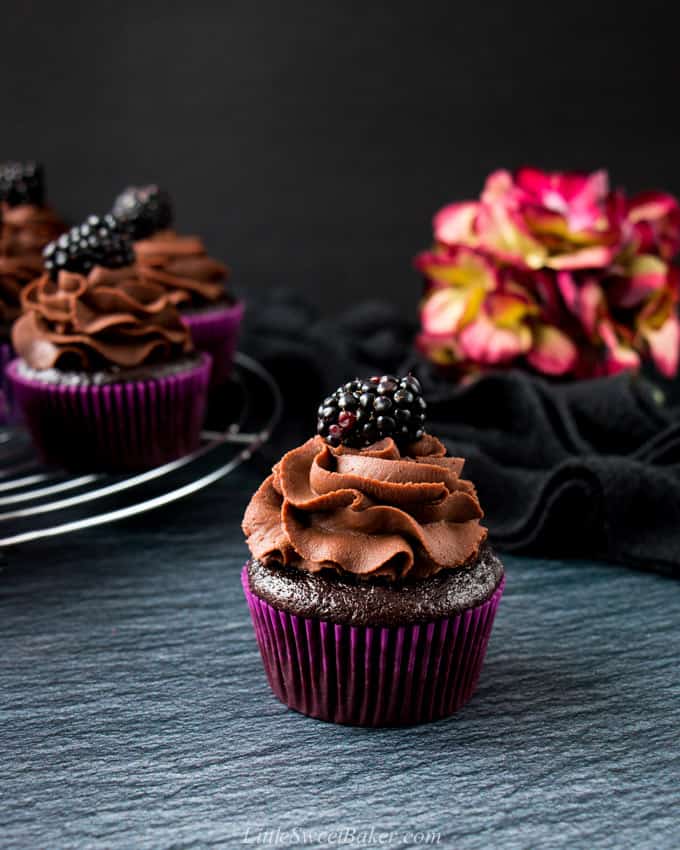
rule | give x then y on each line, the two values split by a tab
26	226
29	224
371	587
195	282
15	273
107	378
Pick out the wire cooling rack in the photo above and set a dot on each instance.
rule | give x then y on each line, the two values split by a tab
38	502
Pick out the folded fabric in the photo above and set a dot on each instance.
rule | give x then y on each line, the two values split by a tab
578	469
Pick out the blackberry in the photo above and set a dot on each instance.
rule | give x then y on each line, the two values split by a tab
144	210
22	183
360	413
95	242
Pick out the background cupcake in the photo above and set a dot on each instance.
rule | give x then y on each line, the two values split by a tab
195	282
107	378
27	224
371	587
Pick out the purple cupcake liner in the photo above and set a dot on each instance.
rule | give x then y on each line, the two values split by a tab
216	333
6	355
372	675
121	427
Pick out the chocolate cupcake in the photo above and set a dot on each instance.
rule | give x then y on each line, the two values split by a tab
371	587
15	273
27	224
195	282
107	378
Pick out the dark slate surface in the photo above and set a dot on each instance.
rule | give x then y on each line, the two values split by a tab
135	713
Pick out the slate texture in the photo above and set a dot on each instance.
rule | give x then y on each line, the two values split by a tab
134	712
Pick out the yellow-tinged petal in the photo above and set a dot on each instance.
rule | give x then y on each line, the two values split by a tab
507	310
552	352
465	269
446	310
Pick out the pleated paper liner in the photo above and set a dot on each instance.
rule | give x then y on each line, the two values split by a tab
372	676
119	427
216	333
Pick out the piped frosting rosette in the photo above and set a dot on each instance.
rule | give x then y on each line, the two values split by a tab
367	513
182	266
108	318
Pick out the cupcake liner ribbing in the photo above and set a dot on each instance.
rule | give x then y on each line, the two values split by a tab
117	427
372	675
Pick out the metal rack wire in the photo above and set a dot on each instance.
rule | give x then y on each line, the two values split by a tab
37	502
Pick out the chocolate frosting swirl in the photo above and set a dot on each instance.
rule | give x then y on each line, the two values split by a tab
15	273
109	318
369	513
181	265
27	228
24	232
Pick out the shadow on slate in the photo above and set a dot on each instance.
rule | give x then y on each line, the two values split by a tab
579	469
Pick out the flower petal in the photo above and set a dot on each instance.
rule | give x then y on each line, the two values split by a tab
483	342
499	187
455	224
618	357
504	235
594	257
508	309
584	299
446	310
443	351
646	274
655	218
458	266
664	345
552	352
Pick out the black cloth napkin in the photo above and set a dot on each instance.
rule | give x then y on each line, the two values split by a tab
579	469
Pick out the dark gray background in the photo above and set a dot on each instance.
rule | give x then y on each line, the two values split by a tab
311	142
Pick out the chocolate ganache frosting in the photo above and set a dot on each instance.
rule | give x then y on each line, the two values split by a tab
181	265
15	273
367	513
24	232
27	228
109	318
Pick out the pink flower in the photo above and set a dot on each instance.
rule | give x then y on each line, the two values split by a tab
459	267
552	352
573	215
538	219
555	271
618	355
658	328
491	225
584	299
458	281
655	220
455	224
636	281
578	200
500	332
477	315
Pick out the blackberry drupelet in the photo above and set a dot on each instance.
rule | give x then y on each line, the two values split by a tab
144	210
22	183
360	413
95	242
